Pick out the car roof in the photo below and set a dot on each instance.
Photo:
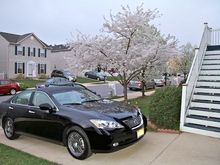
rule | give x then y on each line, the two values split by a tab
56	89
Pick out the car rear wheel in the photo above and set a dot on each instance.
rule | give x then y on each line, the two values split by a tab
78	143
9	129
12	91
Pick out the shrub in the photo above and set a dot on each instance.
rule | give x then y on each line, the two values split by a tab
20	76
43	76
165	106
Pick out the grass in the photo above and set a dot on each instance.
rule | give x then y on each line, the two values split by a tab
142	103
11	156
28	83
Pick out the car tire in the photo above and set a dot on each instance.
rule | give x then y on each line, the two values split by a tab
9	129
77	143
13	91
131	89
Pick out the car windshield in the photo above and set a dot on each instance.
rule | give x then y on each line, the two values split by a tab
74	97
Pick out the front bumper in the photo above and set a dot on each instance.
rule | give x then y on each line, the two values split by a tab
110	141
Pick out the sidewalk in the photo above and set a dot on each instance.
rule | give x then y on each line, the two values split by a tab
153	149
134	95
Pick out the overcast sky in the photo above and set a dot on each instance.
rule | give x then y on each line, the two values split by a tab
53	21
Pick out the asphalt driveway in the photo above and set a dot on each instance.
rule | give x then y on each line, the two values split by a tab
153	149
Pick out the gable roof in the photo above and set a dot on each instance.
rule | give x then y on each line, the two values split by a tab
15	38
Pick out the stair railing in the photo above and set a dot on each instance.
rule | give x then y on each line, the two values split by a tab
188	87
215	37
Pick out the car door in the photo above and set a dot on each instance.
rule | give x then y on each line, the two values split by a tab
43	123
18	109
4	86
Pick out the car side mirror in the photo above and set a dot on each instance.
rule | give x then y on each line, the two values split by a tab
46	107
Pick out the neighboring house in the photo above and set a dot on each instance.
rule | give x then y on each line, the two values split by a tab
58	53
23	54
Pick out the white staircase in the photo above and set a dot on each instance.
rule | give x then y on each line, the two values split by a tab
200	109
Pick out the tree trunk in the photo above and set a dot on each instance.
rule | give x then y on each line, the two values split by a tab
125	88
125	91
143	82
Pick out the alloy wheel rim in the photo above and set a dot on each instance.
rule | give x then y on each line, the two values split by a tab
76	144
9	128
13	91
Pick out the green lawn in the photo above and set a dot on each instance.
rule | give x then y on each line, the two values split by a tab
26	83
142	103
10	156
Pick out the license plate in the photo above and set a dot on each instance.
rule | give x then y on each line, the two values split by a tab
140	132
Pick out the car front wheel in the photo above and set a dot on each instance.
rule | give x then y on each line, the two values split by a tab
9	129
12	91
78	143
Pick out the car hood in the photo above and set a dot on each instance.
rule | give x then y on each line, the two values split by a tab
107	108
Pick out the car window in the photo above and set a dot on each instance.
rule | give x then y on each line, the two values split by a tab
41	98
22	98
75	97
4	82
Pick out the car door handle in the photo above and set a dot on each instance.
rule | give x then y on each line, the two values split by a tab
11	108
31	112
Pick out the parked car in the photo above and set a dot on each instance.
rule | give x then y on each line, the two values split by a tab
96	75
54	81
137	85
81	120
63	73
9	86
161	81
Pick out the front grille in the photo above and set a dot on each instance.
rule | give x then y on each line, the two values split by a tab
133	122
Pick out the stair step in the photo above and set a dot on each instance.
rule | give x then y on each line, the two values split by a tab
217	61
216	56
205	109
213	48
212	52
202	120
210	71
207	94
207	90
202	104
211	133
206	77
197	126
210	67
206	97
208	84
206	113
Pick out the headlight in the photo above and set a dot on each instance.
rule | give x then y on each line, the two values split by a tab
106	124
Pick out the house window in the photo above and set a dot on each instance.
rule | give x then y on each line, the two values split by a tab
20	50
42	69
19	68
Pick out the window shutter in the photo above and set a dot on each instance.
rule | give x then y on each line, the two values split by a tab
23	68
45	68
45	53
38	52
23	50
38	68
29	51
16	50
34	52
16	68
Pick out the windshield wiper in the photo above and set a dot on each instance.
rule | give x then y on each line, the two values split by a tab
72	104
86	101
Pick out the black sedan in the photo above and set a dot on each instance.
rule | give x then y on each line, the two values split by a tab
96	75
75	116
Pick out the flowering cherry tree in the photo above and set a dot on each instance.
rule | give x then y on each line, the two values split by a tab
129	44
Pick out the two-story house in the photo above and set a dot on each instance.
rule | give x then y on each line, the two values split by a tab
23	54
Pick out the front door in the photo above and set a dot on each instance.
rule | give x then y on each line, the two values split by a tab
31	69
